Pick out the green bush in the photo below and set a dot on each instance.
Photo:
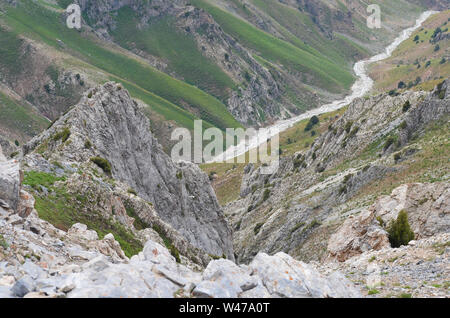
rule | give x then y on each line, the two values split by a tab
389	141
314	120
132	191
266	194
88	144
399	231
3	242
258	228
62	135
102	163
348	126
406	106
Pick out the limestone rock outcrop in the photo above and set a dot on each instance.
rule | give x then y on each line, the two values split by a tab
10	179
428	209
78	264
108	124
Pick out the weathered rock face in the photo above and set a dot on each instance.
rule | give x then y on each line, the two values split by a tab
2	156
109	121
428	208
427	205
78	264
10	179
299	207
357	235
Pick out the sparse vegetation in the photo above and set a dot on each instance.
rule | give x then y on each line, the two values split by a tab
373	291
102	163
266	194
88	144
132	191
63	135
257	228
3	242
167	242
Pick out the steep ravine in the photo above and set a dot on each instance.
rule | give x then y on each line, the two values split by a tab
360	88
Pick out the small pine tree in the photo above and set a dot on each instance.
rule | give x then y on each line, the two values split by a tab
399	231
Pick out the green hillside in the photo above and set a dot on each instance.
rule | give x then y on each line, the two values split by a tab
161	39
19	121
42	24
326	74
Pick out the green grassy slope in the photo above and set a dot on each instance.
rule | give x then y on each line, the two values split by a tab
19	121
45	25
161	39
298	28
326	74
10	52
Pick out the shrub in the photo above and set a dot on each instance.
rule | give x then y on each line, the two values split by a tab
258	228
347	178
441	91
389	141
403	125
180	175
87	144
298	162
266	194
380	221
373	292
247	76
399	231
16	142
406	106
401	85
314	120
103	164
397	157
132	191
62	135
348	126
3	242
354	132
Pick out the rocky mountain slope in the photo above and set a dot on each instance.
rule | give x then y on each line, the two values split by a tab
107	129
92	206
46	252
40	261
229	73
316	188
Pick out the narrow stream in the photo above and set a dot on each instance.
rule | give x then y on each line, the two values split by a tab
360	88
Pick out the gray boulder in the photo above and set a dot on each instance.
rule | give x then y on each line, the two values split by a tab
10	180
